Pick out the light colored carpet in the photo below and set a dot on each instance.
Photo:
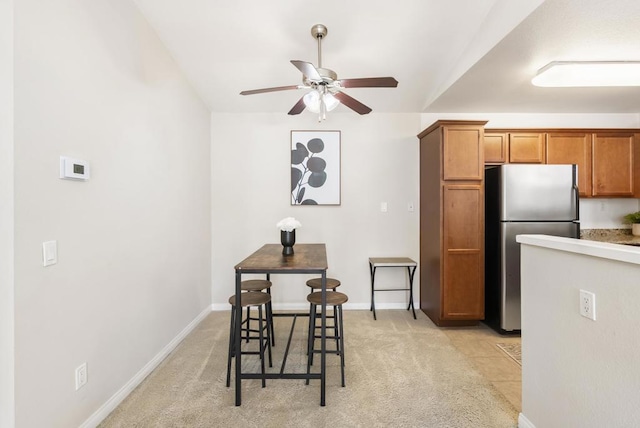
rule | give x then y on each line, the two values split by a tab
400	372
513	350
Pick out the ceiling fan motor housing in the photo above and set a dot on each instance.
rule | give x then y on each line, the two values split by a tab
328	78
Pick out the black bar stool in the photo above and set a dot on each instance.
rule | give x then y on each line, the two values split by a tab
261	285
316	285
335	299
248	300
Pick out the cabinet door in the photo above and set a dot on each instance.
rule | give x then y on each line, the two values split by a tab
613	164
463	156
572	148
526	147
463	270
495	148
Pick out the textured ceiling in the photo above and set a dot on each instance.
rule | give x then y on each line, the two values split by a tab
448	56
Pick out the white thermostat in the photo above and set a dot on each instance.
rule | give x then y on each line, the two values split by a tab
73	169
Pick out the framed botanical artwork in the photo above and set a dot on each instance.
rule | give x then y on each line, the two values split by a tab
315	167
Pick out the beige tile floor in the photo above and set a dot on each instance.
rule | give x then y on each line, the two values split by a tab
478	343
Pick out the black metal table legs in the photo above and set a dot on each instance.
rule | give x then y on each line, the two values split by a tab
411	269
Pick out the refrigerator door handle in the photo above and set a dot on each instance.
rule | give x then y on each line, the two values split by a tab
577	199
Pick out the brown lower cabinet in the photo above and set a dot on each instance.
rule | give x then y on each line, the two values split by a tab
452	222
463	232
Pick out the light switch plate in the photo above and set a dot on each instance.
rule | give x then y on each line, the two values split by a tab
49	253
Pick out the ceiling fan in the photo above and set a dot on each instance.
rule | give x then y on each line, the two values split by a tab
326	89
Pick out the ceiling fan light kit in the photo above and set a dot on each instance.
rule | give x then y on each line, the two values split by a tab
559	74
325	88
314	101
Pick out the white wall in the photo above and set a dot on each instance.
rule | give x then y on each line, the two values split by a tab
250	194
93	81
606	213
577	372
6	215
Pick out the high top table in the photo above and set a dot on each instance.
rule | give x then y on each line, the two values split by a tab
306	259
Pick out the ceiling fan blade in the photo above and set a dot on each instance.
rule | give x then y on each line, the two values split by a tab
369	82
298	107
307	69
261	91
352	103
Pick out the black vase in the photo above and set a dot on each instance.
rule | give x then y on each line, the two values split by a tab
288	239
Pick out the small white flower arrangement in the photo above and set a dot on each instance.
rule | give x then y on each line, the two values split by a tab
288	224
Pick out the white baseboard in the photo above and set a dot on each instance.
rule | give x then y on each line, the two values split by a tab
303	307
523	422
113	402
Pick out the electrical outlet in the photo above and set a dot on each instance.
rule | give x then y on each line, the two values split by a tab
588	304
383	207
81	376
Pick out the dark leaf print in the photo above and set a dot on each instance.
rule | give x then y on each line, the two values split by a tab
316	164
317	179
296	175
316	145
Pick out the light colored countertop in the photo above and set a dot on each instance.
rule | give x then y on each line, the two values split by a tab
612	236
605	250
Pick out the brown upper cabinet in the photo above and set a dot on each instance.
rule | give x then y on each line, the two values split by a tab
463	155
572	148
613	164
496	147
526	147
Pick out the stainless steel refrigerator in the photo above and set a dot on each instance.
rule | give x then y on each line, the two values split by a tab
522	199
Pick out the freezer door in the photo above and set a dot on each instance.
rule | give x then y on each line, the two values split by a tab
538	192
510	255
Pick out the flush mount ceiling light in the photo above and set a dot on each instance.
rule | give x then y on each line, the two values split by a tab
588	73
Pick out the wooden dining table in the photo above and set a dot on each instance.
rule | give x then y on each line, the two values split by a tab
306	259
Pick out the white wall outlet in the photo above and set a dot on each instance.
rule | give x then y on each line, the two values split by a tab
410	207
588	304
383	207
81	376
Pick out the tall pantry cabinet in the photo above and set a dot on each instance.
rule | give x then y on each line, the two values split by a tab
452	222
